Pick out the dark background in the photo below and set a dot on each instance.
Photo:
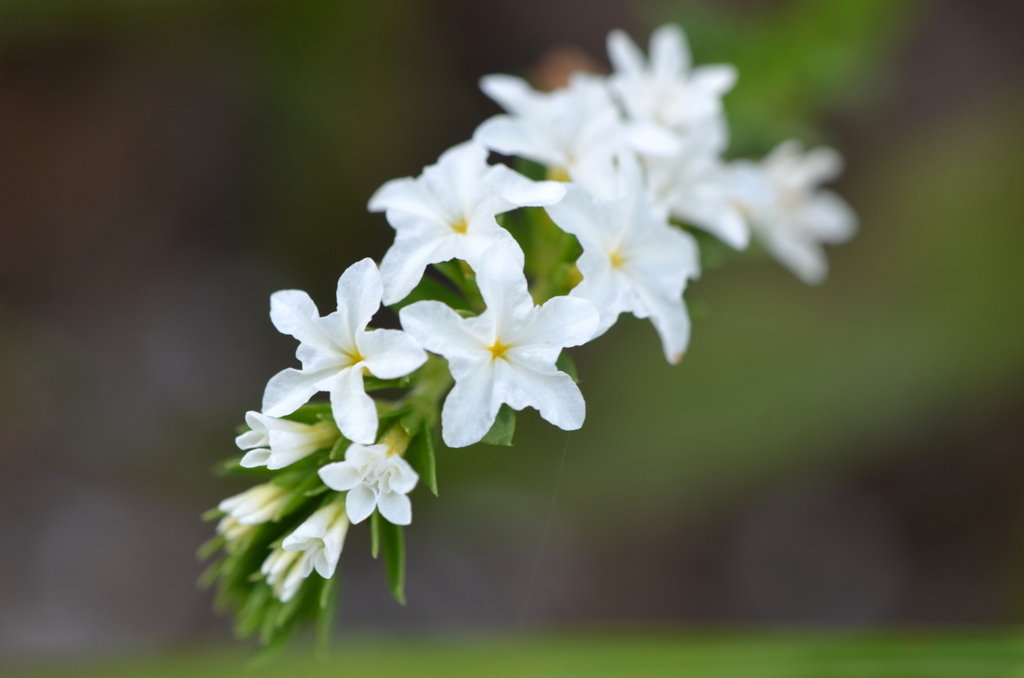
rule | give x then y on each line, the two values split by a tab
845	455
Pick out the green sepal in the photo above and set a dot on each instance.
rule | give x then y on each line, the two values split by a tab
338	451
430	289
210	546
212	514
317	490
330	595
311	413
299	495
371	383
420	456
210	574
375	529
393	540
503	428
568	365
250	617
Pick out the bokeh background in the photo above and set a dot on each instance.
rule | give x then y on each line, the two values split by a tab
849	455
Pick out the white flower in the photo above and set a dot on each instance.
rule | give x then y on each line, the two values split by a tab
375	476
256	505
448	213
633	260
575	132
320	539
232	530
337	350
695	187
505	355
787	211
283	570
276	443
666	93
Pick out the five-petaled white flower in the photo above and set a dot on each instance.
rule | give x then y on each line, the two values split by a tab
448	213
788	212
283	570
575	132
276	443
375	476
337	350
666	93
633	260
320	539
694	186
256	505
505	355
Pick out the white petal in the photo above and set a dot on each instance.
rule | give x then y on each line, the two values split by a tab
559	323
254	458
395	507
670	319
713	80
510	136
359	294
389	354
439	329
503	287
520	191
341	475
805	259
625	56
829	218
251	439
553	394
294	313
403	477
511	93
359	503
577	214
819	165
669	51
354	411
403	264
403	195
290	389
470	409
653	140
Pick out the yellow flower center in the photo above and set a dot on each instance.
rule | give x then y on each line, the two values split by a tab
616	258
498	349
558	173
461	226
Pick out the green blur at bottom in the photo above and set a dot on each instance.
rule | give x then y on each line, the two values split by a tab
907	653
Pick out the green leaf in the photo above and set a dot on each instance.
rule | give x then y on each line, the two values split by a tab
568	365
420	456
394	558
503	428
375	528
330	595
434	290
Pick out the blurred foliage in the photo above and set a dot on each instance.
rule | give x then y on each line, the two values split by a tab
796	60
655	654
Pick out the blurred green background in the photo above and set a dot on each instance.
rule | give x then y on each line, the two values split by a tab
831	460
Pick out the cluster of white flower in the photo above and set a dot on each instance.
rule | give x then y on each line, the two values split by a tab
621	167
